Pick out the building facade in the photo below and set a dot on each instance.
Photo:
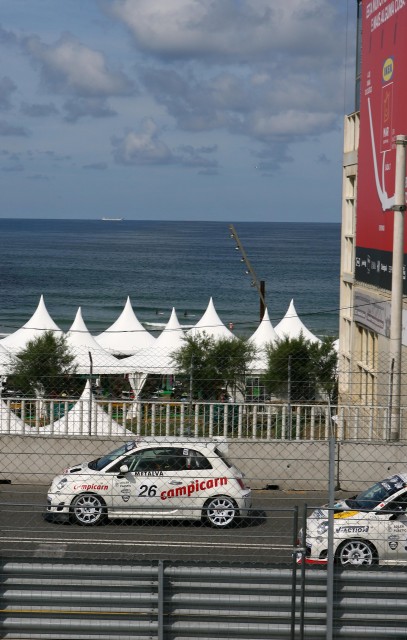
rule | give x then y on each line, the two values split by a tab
367	377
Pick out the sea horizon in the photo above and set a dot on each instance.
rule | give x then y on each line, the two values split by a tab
163	264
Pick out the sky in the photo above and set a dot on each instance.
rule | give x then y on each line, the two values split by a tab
225	110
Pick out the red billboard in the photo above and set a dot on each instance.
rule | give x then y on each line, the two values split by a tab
383	116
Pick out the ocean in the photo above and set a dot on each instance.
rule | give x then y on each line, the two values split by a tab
96	264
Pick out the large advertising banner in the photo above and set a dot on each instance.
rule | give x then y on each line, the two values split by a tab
383	116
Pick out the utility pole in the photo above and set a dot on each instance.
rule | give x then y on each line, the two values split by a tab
396	323
259	284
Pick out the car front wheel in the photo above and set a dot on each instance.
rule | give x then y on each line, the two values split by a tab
88	510
356	553
220	512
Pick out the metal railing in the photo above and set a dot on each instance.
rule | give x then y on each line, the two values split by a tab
257	421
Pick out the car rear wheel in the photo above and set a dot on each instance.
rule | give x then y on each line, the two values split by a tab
356	553
88	510
220	512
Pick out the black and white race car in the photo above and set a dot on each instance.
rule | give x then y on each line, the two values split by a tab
184	480
368	528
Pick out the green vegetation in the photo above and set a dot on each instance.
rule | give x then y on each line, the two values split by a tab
299	370
213	367
44	367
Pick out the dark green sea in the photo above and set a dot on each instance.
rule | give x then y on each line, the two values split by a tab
160	265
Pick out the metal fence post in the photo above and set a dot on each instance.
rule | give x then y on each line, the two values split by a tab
330	567
294	574
161	599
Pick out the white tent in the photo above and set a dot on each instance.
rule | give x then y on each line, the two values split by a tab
84	346
264	335
86	418
39	322
158	358
10	423
127	335
211	324
292	327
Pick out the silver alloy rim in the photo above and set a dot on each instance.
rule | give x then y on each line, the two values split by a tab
88	509
221	512
356	553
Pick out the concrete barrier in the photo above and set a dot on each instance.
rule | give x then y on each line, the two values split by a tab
294	465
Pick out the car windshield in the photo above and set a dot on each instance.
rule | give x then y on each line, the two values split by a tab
100	463
379	492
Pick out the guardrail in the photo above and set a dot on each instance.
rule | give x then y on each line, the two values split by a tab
268	421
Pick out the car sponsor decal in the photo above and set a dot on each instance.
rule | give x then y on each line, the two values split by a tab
345	514
318	513
91	487
192	487
393	545
352	528
145	474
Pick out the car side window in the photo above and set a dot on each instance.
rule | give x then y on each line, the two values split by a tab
398	505
198	461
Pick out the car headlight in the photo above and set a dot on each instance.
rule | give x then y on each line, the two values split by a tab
61	483
322	528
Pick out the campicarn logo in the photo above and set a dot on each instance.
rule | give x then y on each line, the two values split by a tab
193	487
90	487
388	69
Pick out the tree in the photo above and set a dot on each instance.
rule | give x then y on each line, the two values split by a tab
325	359
43	366
213	365
298	369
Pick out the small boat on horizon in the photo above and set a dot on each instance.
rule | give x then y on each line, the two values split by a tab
104	219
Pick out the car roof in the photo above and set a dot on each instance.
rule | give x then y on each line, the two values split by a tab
187	443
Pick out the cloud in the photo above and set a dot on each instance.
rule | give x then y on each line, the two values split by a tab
142	147
270	71
76	108
228	29
38	110
69	67
7	37
7	88
7	129
145	147
95	166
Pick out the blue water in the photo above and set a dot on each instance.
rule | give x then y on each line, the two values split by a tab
160	265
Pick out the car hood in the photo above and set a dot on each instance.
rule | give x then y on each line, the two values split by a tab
77	468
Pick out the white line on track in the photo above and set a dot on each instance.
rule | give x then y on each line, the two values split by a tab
143	543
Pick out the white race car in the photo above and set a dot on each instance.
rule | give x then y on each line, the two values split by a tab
142	479
369	528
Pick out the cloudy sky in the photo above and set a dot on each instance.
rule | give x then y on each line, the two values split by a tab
174	109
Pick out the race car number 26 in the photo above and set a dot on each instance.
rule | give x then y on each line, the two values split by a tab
147	490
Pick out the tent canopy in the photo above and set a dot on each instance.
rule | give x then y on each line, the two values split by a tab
292	327
39	322
158	358
127	335
211	325
87	416
264	335
84	346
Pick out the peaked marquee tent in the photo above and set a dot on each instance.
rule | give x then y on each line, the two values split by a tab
82	343
86	417
264	334
127	335
39	322
291	326
211	324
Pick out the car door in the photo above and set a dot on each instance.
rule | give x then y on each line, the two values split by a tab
137	493
395	538
162	482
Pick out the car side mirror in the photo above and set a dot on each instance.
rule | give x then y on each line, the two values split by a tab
123	470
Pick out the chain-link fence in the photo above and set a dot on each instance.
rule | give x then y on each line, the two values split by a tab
145	505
